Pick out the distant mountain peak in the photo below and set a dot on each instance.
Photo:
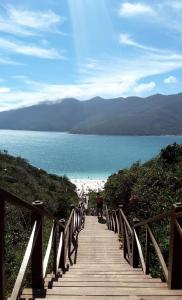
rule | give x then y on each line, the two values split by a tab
154	115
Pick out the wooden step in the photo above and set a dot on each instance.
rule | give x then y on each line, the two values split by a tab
105	291
146	284
101	273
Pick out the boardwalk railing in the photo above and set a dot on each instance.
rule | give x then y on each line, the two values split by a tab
132	244
63	241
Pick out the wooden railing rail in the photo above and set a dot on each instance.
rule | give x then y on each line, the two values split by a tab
63	243
132	246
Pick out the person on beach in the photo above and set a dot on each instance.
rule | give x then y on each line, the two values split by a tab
99	201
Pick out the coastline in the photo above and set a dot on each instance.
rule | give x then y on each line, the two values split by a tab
84	186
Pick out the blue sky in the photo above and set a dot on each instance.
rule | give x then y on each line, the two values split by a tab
52	49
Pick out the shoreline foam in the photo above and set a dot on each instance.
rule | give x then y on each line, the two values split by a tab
84	186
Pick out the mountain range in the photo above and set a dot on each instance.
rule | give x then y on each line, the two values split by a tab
154	115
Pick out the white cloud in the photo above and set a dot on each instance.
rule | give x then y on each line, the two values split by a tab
128	9
144	87
4	90
125	39
42	20
27	22
13	28
170	80
109	78
30	50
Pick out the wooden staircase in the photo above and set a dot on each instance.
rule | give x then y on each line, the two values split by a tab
101	272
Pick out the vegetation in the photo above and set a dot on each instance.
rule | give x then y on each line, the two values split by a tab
30	184
149	189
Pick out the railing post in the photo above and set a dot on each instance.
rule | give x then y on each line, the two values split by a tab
113	218
2	245
37	254
62	257
109	220
135	253
175	250
55	249
115	221
121	229
147	250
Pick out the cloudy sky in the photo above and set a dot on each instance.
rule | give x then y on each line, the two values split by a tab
51	49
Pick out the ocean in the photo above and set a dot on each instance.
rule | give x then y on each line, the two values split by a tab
82	156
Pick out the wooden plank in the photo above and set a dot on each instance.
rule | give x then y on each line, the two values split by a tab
110	283
159	253
164	297
112	298
103	291
21	274
2	248
48	250
140	252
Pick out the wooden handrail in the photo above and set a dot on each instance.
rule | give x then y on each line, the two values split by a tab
178	228
140	252
26	259
159	253
14	200
125	220
34	247
153	219
48	251
172	272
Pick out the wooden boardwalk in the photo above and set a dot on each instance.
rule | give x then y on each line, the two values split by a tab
102	273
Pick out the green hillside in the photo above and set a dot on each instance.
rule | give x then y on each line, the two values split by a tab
148	189
29	183
154	115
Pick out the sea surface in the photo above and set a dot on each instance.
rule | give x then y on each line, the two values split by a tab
82	156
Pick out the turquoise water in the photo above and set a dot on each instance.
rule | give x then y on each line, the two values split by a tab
82	156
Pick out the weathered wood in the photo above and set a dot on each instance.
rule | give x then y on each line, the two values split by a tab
18	284
159	253
126	221
62	261
147	251
129	249
140	253
175	250
154	219
2	246
135	246
55	249
48	251
37	254
121	230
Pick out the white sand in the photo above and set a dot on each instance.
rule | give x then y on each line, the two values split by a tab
86	185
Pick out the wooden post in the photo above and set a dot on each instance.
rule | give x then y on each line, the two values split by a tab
135	253
55	249
2	245
147	250
175	250
37	254
113	218
121	229
62	257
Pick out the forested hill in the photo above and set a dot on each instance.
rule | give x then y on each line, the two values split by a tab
154	115
30	183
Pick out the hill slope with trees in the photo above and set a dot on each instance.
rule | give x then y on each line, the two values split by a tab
148	189
29	183
154	115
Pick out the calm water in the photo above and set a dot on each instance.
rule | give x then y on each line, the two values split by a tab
82	156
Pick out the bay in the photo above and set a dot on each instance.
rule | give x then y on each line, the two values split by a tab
82	156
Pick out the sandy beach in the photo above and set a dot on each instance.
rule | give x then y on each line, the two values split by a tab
86	185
